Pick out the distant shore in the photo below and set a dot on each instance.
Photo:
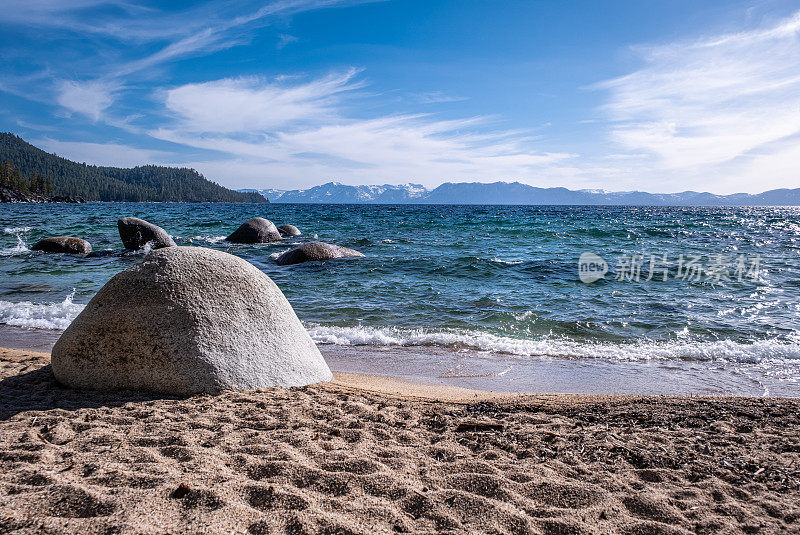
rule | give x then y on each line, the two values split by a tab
369	454
12	196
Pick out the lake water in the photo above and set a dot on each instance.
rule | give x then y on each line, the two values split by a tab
695	300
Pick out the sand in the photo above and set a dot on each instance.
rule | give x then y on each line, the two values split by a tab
373	455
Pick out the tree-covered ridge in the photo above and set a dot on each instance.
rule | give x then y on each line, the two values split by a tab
12	178
95	183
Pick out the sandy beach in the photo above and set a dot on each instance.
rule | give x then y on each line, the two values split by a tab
371	454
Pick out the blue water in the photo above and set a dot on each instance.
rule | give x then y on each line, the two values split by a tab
496	283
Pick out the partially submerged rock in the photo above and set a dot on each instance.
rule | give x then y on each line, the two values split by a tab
188	320
315	250
288	230
63	244
255	230
135	233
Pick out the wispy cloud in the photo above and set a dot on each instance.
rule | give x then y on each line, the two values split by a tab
89	98
256	105
286	39
111	154
177	35
709	107
302	131
436	97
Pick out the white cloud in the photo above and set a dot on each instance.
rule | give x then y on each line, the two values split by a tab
252	105
90	98
436	97
110	154
285	39
225	33
301	133
711	107
200	30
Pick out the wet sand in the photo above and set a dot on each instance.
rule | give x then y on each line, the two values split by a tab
369	454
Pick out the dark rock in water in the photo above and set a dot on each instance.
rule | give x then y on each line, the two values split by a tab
184	321
135	233
255	230
63	244
288	230
315	251
102	253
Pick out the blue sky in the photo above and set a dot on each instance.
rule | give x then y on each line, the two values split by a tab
655	96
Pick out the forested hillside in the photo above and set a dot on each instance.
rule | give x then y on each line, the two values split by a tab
94	183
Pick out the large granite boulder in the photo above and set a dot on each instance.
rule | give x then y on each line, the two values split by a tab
188	320
315	250
63	244
255	230
135	233
288	230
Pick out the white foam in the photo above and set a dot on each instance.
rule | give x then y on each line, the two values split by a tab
507	262
28	314
21	246
146	249
553	347
208	239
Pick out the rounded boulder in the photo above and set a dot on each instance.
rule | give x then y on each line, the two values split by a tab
63	244
315	251
289	230
188	320
136	233
255	230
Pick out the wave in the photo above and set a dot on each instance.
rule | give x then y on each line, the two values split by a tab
507	262
56	316
213	240
21	246
728	350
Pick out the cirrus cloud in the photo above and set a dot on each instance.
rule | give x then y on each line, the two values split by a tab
712	106
300	132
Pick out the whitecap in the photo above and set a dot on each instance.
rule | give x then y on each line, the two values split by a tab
16	230
21	246
208	239
35	315
507	262
557	347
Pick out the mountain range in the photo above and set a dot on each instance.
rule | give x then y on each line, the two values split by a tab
517	193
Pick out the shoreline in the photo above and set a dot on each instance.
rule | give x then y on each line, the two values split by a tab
369	454
498	372
403	389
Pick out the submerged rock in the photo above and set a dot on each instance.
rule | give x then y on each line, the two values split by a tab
315	250
289	230
135	233
255	230
188	320
63	244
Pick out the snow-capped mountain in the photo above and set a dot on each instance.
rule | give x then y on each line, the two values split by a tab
337	193
518	193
